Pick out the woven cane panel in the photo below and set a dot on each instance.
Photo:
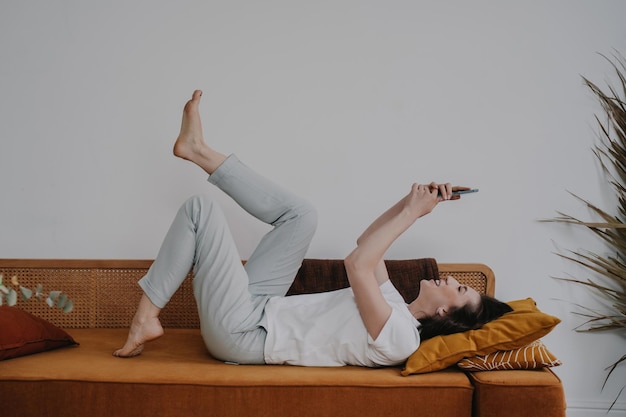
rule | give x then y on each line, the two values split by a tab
70	281
106	294
119	294
476	280
102	297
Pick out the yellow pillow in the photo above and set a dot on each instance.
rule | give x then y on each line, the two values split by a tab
514	330
533	356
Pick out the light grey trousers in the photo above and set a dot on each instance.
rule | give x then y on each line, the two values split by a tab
231	297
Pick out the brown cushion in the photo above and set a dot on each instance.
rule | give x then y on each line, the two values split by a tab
514	330
25	334
321	275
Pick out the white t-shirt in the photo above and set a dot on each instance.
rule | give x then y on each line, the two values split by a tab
326	329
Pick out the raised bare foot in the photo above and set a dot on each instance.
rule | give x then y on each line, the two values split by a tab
190	141
141	331
190	144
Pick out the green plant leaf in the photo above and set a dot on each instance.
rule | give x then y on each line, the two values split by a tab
61	300
39	292
26	293
52	298
69	306
11	297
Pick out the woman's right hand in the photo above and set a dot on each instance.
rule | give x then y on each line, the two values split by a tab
423	198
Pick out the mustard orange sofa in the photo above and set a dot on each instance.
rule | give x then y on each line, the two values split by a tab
175	375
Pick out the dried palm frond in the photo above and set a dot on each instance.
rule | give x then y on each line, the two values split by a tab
608	271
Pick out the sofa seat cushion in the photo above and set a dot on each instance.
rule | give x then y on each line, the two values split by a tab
520	392
175	372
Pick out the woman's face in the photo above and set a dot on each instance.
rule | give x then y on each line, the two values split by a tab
438	297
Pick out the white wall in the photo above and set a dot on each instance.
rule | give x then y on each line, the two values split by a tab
347	102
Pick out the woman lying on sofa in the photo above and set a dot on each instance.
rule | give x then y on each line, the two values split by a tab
244	314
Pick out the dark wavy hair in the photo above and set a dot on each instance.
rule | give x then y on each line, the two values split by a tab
463	318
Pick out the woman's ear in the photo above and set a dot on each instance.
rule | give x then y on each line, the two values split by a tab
441	311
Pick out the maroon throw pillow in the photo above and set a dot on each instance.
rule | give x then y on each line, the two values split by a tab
21	334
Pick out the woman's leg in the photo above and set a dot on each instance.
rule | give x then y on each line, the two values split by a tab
189	145
272	266
275	261
199	236
277	258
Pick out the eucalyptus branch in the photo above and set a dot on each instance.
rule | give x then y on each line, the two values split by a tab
52	299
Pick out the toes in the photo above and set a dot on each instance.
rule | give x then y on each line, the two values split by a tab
135	352
196	96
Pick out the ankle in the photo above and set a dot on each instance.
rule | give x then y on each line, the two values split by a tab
209	159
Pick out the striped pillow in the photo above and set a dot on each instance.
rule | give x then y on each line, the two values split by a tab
532	356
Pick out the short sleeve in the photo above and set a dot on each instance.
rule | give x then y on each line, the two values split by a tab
398	339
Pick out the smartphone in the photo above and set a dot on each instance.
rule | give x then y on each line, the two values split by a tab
455	193
473	190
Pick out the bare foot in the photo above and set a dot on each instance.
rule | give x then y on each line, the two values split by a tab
144	328
190	141
139	334
190	144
